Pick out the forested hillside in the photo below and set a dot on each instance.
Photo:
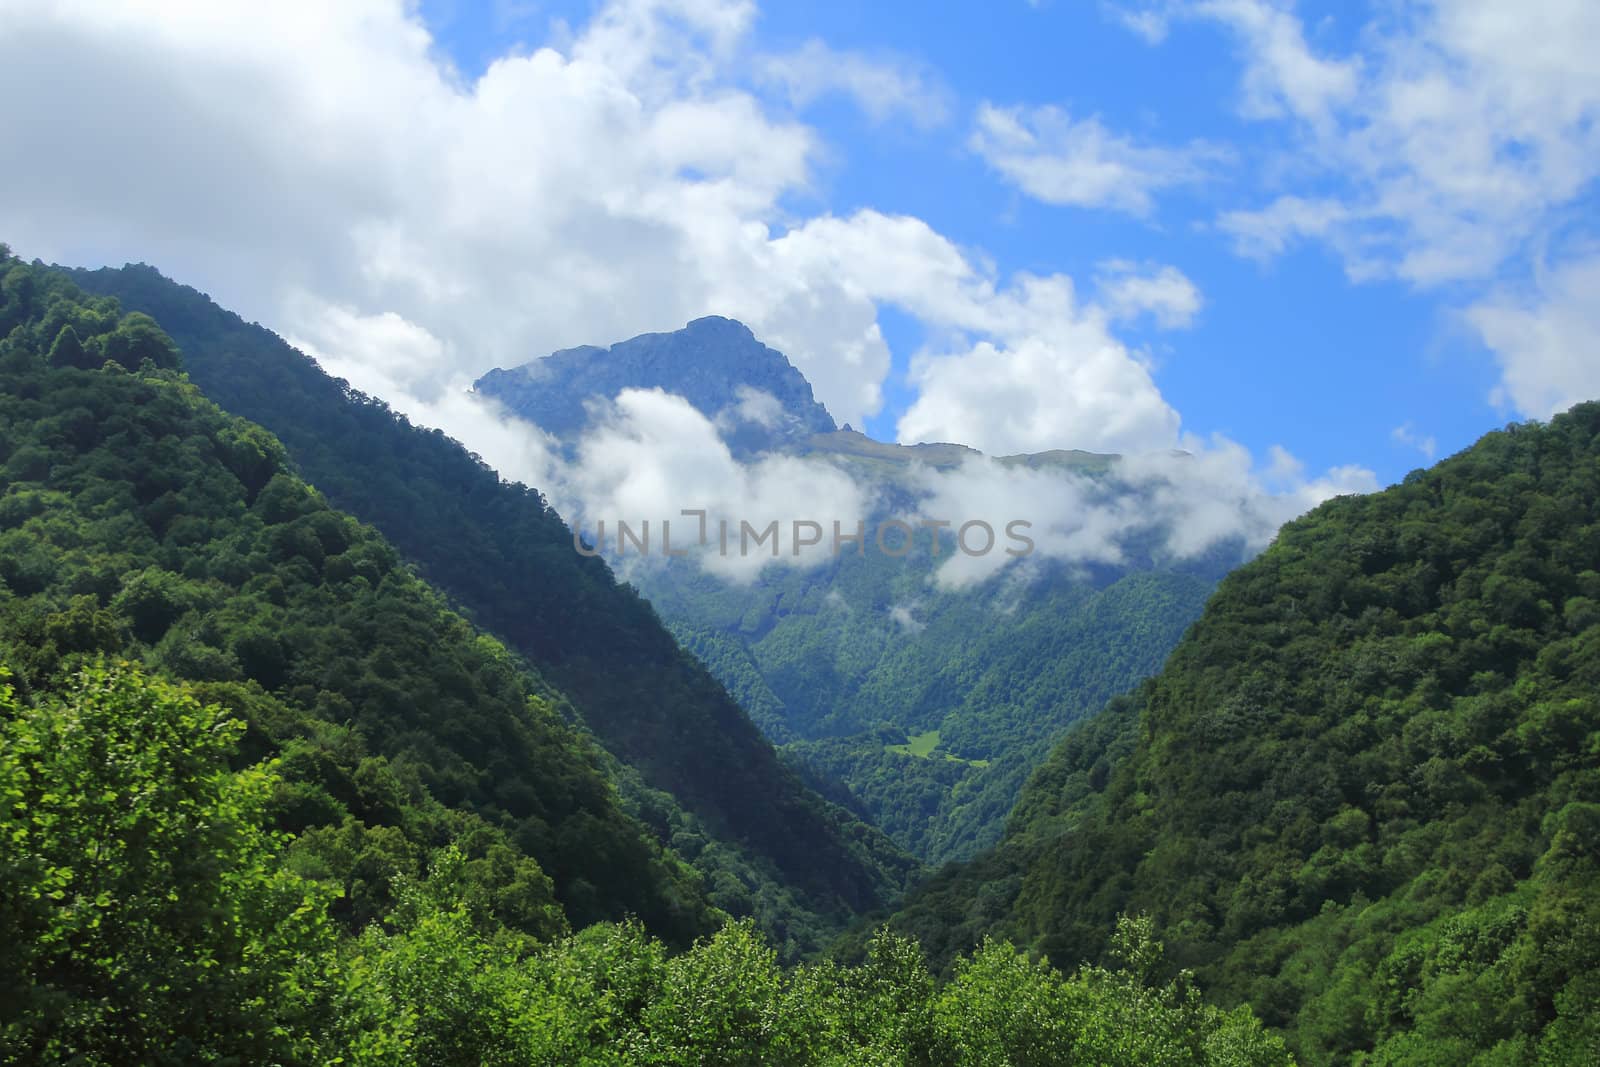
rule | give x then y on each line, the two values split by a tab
1364	793
506	560
139	522
264	798
933	705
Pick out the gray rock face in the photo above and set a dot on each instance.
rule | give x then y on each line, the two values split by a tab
755	395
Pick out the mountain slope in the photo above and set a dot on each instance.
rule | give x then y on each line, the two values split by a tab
715	363
930	704
508	561
266	799
139	521
845	663
1364	792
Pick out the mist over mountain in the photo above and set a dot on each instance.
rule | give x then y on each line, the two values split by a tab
927	682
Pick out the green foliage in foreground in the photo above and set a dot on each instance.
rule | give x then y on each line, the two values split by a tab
149	917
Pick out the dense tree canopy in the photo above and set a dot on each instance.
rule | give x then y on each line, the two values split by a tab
137	520
149	915
999	673
1364	793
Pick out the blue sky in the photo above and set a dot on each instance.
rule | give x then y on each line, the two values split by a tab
1361	233
1290	351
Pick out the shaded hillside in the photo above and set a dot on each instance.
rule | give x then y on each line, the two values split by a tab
846	663
138	521
1364	792
508	561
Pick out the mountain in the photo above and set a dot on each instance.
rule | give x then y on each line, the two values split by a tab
930	705
266	798
755	395
770	846
1364	792
139	522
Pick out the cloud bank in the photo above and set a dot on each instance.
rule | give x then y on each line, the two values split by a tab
321	168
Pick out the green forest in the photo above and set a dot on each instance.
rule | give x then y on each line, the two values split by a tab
268	798
690	763
319	744
1363	795
1000	673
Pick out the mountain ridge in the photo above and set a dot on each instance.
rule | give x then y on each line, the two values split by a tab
756	396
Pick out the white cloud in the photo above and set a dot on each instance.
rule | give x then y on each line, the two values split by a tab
1060	160
1548	342
1165	293
904	619
386	350
1450	137
1268	232
884	87
1282	75
1149	24
1051	375
1180	504
651	456
316	167
751	405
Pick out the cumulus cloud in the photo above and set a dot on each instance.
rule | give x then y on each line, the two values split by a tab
884	87
1547	342
1050	375
1061	160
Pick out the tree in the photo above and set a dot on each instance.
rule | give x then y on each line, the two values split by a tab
146	918
137	338
68	351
